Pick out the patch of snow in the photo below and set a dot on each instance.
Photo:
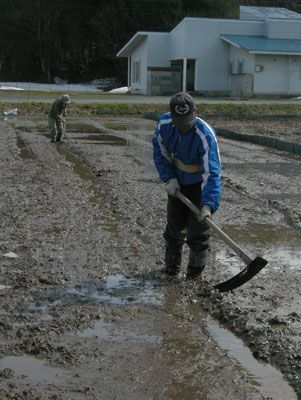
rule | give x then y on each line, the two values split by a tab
10	255
122	90
9	88
51	87
13	111
94	86
4	287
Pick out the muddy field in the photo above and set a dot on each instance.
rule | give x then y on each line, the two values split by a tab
85	311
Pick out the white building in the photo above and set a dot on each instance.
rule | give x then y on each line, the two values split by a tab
257	54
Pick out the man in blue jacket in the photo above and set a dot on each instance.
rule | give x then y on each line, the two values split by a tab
186	155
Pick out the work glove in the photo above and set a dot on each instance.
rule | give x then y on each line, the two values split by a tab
205	212
172	186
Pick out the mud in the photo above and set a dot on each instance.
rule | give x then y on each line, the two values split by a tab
85	311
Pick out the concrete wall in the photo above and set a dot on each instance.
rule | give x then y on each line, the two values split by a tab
237	27
273	74
203	43
280	75
151	52
238	55
286	29
158	50
294	67
200	38
159	82
178	41
242	85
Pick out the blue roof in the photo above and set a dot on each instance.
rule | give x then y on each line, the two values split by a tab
262	44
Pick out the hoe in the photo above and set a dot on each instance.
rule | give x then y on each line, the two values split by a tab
253	266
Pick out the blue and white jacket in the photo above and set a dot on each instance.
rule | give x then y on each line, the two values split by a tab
191	157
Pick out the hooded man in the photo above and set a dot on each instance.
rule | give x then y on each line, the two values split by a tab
186	155
56	118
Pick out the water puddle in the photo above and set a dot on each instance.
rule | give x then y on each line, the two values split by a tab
124	290
109	331
35	309
268	378
117	289
93	135
24	153
103	139
286	169
31	369
115	126
82	128
281	247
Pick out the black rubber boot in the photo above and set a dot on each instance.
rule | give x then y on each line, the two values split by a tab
173	257
196	264
59	137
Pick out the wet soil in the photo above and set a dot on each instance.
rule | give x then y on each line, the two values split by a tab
85	311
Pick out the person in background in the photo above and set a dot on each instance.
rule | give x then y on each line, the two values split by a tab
56	118
186	155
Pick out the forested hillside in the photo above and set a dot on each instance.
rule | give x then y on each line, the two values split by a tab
78	40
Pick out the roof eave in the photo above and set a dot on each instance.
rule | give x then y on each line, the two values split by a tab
131	44
282	53
230	42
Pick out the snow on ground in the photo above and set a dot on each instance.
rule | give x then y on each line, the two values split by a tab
121	90
51	87
58	87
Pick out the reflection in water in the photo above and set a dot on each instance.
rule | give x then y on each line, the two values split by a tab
267	377
281	247
117	289
171	332
103	139
31	369
108	331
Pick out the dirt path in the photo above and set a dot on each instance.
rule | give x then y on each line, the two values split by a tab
85	313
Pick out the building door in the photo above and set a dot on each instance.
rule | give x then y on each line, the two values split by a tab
183	75
190	76
176	75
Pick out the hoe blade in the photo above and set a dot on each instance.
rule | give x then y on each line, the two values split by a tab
243	276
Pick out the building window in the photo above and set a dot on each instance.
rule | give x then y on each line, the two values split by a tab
137	71
240	66
237	67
